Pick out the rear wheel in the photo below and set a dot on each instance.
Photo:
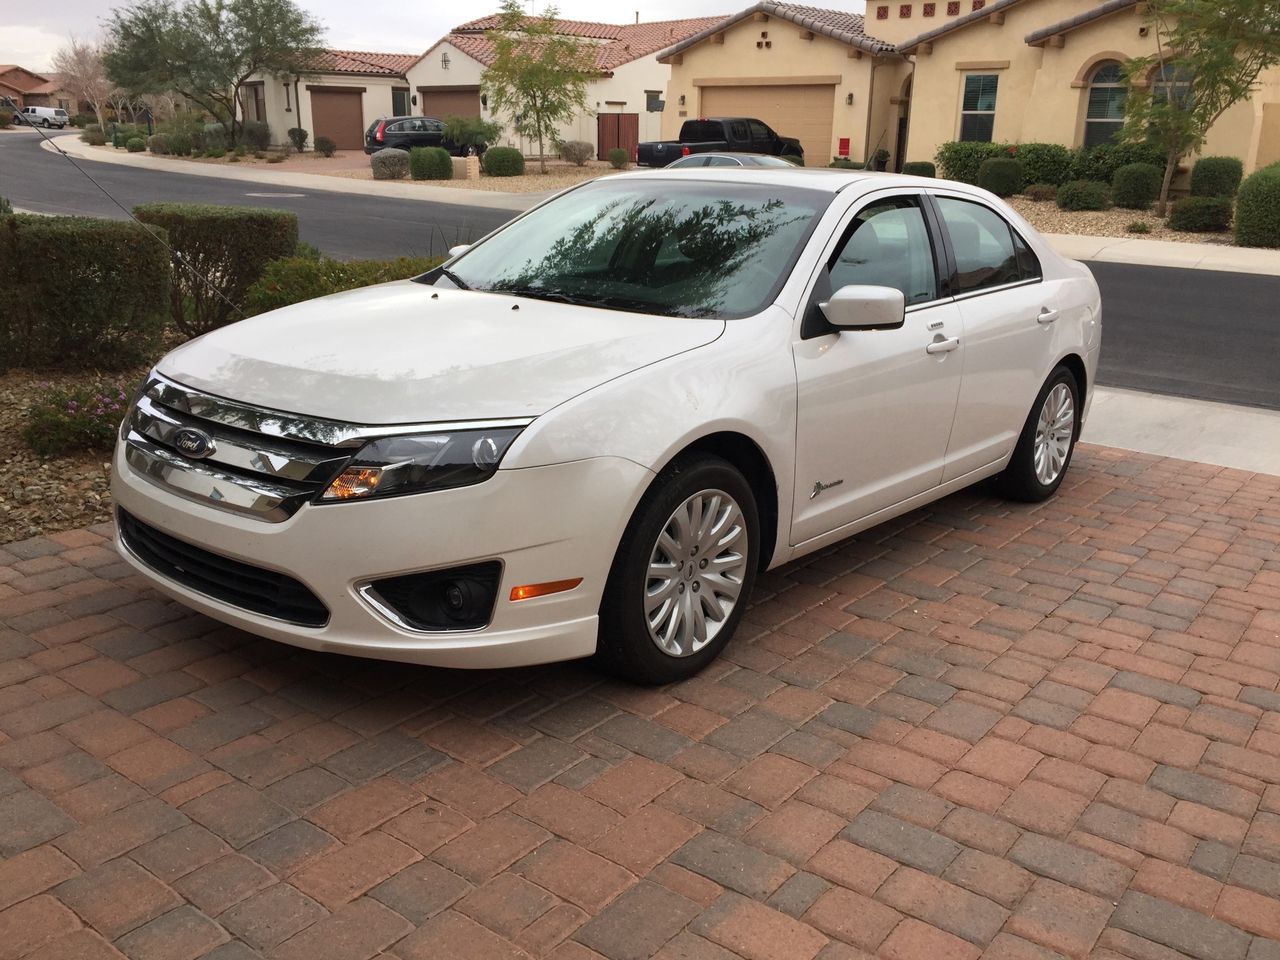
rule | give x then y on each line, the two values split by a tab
682	574
45	123
1048	439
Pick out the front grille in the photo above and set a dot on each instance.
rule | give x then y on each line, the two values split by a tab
240	584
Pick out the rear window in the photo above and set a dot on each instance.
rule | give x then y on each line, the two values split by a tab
700	131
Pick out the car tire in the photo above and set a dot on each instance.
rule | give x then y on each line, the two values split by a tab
1048	439
45	123
632	629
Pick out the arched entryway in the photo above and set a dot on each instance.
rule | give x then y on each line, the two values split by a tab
903	101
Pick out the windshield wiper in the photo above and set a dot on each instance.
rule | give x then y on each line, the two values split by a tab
457	281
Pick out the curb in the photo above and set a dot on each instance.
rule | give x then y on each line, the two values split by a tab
1167	253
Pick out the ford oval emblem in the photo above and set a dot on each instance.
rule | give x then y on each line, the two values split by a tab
194	443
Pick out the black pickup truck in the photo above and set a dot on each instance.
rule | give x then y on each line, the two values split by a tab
716	134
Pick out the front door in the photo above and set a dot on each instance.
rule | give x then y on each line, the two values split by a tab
875	407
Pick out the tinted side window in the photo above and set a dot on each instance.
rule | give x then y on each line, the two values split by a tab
887	245
738	130
1028	262
758	130
982	244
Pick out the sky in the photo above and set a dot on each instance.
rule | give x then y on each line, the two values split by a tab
32	30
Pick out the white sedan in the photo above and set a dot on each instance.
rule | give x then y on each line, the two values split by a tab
587	433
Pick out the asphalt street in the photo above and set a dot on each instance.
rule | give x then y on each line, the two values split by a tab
1191	333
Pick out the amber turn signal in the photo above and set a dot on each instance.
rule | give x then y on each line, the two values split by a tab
530	590
354	482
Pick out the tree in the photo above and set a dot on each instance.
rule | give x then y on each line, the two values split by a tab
1208	56
538	76
86	76
205	50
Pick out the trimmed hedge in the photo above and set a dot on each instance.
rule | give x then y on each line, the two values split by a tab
1258	209
135	145
1216	177
502	162
577	152
1003	176
298	137
430	163
158	143
296	279
94	138
618	158
325	146
1041	191
1101	162
223	251
1083	195
960	159
1201	214
919	168
1045	162
390	164
844	163
1135	186
81	293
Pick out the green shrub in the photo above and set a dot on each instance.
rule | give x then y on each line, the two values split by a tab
960	159
919	168
1045	162
212	136
240	151
158	143
215	153
618	158
1201	214
76	419
81	293
1083	195
471	134
502	162
285	282
1041	192
1258	209
325	146
298	137
577	152
94	138
180	144
430	163
6	118
223	251
842	163
82	120
1003	176
119	139
1216	177
1138	226
89	129
307	251
255	134
390	164
1101	162
6	208
1135	186
135	145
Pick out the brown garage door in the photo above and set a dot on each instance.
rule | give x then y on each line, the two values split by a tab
337	114
804	112
443	104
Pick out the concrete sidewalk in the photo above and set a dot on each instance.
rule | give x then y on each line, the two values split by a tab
1167	253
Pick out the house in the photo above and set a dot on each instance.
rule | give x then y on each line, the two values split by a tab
910	76
341	93
20	87
54	92
624	98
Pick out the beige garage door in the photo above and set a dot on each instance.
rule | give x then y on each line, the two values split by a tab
338	116
803	112
443	104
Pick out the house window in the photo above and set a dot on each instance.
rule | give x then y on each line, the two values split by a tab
928	9
978	108
882	13
1104	116
400	102
904	10
1172	83
653	101
253	102
953	8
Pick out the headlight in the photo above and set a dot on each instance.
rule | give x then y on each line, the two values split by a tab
413	464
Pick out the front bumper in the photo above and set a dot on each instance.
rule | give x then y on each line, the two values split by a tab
547	523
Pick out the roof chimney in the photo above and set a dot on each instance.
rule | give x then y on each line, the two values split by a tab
637	18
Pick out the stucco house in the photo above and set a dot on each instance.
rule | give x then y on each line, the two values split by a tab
623	98
20	87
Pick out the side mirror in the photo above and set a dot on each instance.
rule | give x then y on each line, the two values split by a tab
863	307
459	250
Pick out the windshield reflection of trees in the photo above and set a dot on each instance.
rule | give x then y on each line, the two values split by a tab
663	256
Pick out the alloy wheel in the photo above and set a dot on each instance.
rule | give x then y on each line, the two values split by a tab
1055	430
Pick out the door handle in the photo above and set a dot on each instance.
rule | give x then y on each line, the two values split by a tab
1047	315
943	346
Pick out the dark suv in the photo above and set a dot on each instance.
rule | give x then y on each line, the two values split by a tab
404	133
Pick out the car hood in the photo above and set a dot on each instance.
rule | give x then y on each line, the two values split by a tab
406	352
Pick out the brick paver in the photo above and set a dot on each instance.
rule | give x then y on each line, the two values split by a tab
983	730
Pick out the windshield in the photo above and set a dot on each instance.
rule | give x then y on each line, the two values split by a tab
668	247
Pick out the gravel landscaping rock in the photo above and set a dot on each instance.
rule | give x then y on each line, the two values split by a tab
1047	218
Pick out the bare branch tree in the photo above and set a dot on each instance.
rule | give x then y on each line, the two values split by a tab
86	76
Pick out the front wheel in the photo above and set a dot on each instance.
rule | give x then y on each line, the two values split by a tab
1048	439
682	574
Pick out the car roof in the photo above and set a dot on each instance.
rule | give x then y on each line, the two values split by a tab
826	179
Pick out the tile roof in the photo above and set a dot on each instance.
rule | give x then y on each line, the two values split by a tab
1079	20
840	25
624	42
973	17
6	68
364	63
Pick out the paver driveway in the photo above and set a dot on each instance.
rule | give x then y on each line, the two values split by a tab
983	729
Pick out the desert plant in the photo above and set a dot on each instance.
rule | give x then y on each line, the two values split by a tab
960	159
219	252
1216	177
75	419
430	163
1201	214
180	144
919	168
6	118
390	164
577	152
1135	186
1045	162
94	138
1083	195
502	162
158	143
325	146
240	151
471	134
1138	226
1003	176
1041	192
298	137
304	278
89	129
1258	209
215	153
256	135
618	158
135	145
81	293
